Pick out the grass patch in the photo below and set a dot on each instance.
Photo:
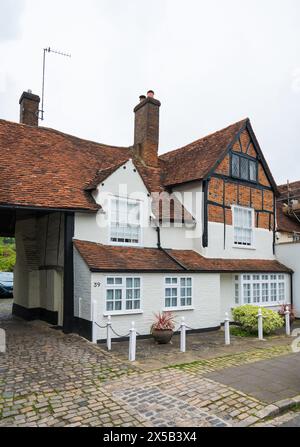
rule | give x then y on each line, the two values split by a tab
237	331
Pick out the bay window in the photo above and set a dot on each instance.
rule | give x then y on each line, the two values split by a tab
260	289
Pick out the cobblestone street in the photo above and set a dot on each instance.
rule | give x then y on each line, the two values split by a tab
51	379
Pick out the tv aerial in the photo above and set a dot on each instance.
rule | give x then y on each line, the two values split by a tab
45	51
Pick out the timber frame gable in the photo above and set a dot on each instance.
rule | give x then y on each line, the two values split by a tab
222	189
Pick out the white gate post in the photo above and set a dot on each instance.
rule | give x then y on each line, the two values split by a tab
132	343
287	321
182	335
260	325
108	333
79	306
227	329
94	326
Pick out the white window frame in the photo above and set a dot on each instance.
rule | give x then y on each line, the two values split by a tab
123	288
122	243
178	287
241	281
244	208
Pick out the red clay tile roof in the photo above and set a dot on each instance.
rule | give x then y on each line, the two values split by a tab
194	161
108	258
42	167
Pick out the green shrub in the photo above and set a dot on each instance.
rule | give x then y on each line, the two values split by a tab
246	316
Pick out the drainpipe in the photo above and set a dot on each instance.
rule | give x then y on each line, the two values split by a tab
157	227
292	289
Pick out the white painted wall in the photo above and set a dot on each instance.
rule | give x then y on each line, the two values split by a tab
128	183
39	242
263	243
289	255
206	303
82	288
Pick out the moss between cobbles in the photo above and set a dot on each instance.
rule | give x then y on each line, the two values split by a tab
226	361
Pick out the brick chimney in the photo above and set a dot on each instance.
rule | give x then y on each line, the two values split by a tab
146	129
29	108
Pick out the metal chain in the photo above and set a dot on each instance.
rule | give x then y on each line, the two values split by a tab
118	335
101	327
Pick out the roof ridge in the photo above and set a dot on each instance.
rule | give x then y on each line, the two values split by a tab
186	146
60	132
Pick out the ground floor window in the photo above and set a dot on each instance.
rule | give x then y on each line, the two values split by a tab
260	289
178	292
123	293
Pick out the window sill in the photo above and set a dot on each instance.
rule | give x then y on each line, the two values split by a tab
122	312
174	309
244	247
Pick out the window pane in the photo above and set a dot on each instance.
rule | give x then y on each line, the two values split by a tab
110	294
137	282
189	281
253	169
247	293
256	293
118	280
118	294
244	166
110	281
265	292
235	165
129	282
237	293
168	280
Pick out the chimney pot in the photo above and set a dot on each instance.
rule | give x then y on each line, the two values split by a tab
150	94
142	97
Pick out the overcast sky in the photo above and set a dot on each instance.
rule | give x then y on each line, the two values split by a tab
210	63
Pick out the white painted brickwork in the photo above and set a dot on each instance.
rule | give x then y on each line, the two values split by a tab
82	288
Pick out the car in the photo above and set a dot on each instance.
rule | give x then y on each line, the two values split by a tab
7	280
4	292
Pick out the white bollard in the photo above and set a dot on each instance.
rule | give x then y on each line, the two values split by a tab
108	333
182	335
260	325
79	307
132	343
94	317
287	321
227	329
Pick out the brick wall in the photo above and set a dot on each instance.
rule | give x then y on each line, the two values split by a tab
224	192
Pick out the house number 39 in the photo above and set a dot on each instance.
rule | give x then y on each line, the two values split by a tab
97	284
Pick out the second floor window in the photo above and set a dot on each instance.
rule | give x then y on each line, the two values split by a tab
243	226
244	168
125	226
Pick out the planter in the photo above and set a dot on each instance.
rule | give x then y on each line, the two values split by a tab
162	336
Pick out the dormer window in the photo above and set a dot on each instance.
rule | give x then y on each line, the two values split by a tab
244	167
125	226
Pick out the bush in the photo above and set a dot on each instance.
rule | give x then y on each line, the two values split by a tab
246	316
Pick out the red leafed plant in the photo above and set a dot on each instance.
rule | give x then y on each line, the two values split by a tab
282	310
163	322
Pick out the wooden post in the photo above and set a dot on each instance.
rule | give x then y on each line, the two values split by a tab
260	325
227	329
182	335
132	343
108	333
287	321
94	317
